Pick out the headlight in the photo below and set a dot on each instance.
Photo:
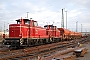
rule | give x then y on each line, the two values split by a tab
21	41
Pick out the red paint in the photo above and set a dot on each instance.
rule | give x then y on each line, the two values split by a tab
26	28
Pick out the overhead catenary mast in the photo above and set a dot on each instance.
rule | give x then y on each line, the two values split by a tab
62	22
66	19
27	14
4	27
76	26
81	28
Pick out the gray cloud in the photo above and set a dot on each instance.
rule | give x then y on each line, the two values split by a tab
78	10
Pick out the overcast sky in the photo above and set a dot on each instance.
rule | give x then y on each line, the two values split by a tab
47	12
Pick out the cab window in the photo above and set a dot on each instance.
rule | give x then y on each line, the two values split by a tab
35	24
51	27
45	27
27	22
18	22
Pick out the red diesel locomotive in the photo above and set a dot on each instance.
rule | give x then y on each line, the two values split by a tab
27	33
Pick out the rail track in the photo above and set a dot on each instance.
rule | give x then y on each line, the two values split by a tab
43	50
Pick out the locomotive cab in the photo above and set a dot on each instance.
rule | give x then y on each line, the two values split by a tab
53	33
17	32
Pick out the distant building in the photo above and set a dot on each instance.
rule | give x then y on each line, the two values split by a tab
85	33
6	34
